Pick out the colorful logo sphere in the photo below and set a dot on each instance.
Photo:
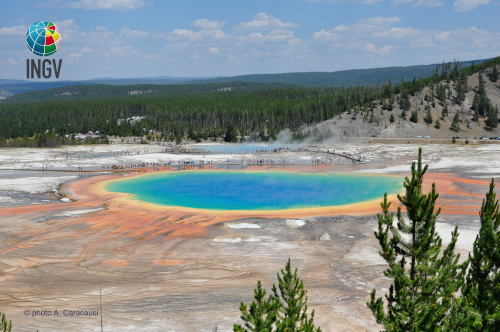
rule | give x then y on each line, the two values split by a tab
43	38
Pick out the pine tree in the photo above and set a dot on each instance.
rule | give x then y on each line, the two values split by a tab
460	91
428	117
481	294
476	101
492	119
4	326
444	112
494	75
231	135
391	119
390	105
292	314
414	117
426	279
455	124
262	314
284	310
484	102
465	83
438	124
404	101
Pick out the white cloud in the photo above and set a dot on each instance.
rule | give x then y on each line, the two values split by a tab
398	33
371	39
443	35
203	35
257	37
65	25
382	50
326	36
375	25
19	30
368	2
120	5
262	22
428	3
205	24
152	57
419	3
466	5
119	51
370	47
259	47
213	50
10	61
84	51
129	33
379	20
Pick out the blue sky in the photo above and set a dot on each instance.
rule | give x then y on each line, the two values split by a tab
143	38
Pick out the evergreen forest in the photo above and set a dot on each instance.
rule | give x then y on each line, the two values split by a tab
198	112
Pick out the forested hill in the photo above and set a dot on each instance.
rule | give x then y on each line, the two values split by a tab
345	78
15	87
108	91
12	87
214	110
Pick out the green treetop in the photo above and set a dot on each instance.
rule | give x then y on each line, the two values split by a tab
231	134
481	294
455	124
284	311
494	75
492	119
425	278
428	117
4	326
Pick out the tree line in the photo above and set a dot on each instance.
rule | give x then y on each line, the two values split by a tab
202	111
201	114
50	140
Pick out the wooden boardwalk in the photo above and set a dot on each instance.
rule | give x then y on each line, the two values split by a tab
242	163
210	153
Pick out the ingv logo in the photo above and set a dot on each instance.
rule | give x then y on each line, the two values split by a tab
43	39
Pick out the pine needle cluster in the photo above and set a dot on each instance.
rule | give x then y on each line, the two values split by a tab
284	310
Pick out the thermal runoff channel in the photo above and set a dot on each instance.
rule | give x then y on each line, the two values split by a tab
254	190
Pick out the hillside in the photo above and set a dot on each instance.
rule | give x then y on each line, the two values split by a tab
12	87
357	124
111	91
262	110
342	78
346	78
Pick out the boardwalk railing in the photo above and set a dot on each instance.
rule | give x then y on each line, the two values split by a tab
215	153
243	162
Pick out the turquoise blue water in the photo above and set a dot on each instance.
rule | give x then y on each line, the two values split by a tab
250	190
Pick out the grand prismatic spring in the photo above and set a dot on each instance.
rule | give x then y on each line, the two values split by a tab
178	250
255	190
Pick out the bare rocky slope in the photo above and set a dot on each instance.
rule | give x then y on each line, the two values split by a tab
357	124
